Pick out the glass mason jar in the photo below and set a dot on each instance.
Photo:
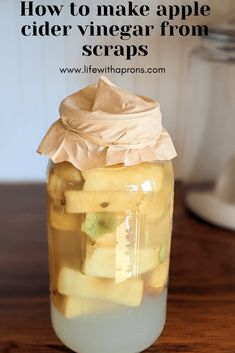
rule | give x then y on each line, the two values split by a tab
209	117
109	249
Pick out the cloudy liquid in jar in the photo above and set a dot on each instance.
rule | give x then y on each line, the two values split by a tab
123	330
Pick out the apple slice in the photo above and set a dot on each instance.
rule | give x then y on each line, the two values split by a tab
59	219
105	201
66	250
162	202
106	240
158	278
158	233
67	172
142	177
55	188
165	250
60	178
74	283
72	307
119	263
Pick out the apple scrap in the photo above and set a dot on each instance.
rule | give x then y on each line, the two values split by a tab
61	220
109	201
59	179
121	178
74	283
158	278
81	294
71	307
110	262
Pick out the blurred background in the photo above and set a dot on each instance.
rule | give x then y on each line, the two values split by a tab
191	93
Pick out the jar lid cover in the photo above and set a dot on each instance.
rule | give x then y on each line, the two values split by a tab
104	125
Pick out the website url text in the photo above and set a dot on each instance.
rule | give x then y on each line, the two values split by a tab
110	69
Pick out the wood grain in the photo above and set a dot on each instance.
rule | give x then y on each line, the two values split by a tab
201	305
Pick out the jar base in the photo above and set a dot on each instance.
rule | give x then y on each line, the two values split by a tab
130	330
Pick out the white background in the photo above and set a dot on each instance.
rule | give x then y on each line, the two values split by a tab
32	86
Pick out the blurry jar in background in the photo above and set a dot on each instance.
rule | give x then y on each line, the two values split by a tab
209	140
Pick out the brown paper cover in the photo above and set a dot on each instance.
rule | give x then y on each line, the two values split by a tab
103	125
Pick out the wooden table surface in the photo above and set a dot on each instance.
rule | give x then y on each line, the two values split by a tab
201	305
